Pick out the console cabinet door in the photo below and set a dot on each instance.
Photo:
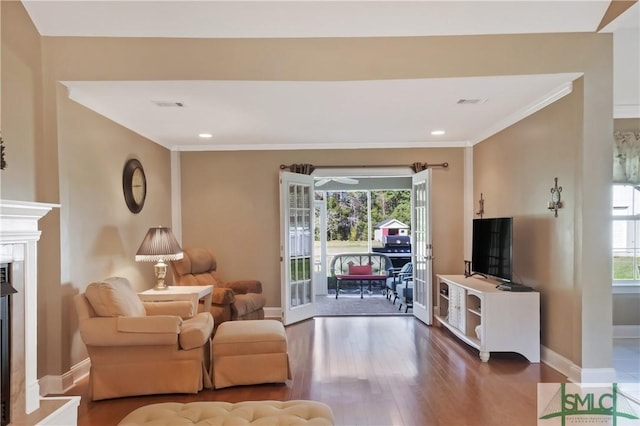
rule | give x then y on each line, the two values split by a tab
456	307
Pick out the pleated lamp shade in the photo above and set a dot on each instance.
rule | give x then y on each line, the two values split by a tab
159	244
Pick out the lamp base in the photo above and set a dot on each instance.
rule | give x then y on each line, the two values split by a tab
160	269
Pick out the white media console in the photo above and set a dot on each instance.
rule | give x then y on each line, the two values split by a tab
489	319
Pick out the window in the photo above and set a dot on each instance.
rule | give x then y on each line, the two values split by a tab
626	235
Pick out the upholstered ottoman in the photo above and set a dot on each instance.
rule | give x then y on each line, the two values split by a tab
203	413
250	352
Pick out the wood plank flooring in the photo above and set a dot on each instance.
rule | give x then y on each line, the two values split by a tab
390	370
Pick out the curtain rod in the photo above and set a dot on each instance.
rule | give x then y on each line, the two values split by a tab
309	168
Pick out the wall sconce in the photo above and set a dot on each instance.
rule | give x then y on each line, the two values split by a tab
159	245
555	202
480	211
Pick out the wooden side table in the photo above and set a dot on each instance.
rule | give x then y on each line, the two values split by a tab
192	293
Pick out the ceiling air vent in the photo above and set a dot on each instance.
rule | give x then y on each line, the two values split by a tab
165	104
471	101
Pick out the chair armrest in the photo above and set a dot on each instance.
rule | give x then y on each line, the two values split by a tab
151	324
244	286
404	277
103	331
196	331
180	308
222	296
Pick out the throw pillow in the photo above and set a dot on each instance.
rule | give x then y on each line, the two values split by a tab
114	297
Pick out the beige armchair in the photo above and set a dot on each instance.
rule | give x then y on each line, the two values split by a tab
231	301
142	348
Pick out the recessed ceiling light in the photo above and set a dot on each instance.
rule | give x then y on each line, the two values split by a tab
205	135
471	101
437	132
169	104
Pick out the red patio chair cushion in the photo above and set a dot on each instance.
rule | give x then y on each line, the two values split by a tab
359	269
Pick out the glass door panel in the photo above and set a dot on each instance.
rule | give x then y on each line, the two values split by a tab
297	219
422	258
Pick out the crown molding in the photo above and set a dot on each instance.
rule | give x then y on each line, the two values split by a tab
332	146
546	100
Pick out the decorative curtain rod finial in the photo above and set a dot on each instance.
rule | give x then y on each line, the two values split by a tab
418	167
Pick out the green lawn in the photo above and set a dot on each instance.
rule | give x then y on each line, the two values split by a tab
623	268
334	247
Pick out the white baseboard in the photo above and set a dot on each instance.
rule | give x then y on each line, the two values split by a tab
626	331
555	360
574	372
273	313
592	375
56	385
65	415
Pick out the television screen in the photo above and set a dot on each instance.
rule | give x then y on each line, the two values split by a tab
492	247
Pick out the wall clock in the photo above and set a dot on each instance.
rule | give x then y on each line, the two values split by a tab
134	185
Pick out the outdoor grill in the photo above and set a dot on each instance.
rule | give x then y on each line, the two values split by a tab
397	248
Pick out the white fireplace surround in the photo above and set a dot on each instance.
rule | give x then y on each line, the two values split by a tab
19	234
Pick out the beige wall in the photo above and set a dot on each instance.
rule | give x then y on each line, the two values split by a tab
21	103
71	156
99	235
627	124
83	176
515	170
568	258
230	203
626	307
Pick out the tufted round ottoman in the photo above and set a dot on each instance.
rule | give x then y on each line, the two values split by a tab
212	413
250	352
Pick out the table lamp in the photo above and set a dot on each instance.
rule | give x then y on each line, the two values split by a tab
159	245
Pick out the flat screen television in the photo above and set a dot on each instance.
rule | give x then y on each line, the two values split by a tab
493	247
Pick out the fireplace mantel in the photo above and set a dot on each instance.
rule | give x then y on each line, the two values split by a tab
19	234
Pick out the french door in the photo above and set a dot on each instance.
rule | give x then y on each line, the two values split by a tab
422	248
320	256
296	246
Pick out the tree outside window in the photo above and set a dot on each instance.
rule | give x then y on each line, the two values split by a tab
347	215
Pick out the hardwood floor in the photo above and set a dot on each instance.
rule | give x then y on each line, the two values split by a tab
391	370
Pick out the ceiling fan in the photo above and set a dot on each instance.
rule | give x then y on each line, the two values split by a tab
343	180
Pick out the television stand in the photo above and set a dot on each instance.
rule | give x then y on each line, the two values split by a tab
489	319
476	273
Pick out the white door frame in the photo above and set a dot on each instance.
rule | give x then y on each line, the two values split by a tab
320	269
422	247
422	251
296	247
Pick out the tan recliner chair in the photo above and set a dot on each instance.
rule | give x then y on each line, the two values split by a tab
231	301
142	348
